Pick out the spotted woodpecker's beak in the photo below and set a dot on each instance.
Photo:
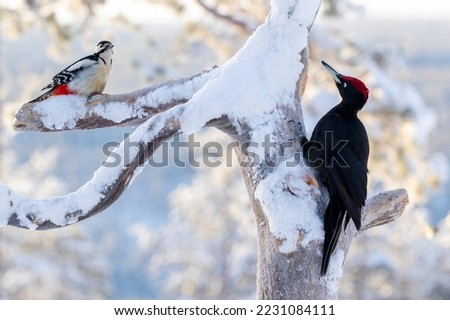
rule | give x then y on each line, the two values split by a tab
336	75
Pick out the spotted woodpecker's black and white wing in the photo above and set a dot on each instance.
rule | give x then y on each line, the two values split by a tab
69	73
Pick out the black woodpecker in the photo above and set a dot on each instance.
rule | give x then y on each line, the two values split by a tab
339	149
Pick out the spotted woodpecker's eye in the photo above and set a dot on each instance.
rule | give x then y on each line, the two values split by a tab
344	84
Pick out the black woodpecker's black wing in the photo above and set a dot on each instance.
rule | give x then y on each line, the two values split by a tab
67	75
351	178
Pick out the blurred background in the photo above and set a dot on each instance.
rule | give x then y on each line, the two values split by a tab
183	233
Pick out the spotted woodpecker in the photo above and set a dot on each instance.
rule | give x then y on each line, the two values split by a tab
85	77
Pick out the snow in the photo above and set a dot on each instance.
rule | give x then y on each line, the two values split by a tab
332	278
6	197
291	217
118	111
61	111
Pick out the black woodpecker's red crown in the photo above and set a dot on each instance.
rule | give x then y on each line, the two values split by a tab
344	81
358	84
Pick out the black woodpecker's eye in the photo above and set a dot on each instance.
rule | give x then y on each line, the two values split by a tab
344	84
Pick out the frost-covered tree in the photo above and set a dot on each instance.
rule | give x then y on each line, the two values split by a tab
255	94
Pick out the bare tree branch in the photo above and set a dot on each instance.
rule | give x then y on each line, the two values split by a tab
127	109
107	184
384	208
102	190
245	25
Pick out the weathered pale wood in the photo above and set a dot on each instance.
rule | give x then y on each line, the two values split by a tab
384	208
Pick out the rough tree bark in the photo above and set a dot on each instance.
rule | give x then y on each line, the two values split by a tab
268	104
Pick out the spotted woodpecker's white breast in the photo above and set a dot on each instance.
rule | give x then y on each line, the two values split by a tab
92	76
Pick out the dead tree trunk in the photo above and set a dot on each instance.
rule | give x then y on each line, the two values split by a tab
256	99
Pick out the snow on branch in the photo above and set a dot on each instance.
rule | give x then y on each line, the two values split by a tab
62	113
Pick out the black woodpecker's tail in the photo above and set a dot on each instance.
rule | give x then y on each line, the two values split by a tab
334	217
43	96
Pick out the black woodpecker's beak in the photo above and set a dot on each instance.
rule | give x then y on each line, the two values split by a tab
336	75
